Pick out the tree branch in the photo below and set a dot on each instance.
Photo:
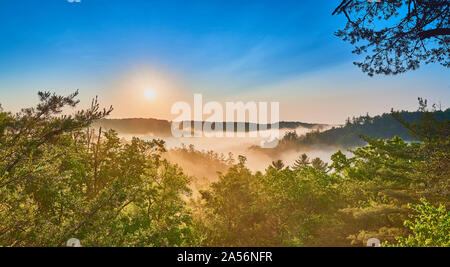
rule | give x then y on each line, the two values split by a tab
433	33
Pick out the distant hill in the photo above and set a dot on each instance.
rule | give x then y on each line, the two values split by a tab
383	126
161	128
347	136
138	126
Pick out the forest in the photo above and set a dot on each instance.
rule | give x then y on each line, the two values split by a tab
61	179
353	133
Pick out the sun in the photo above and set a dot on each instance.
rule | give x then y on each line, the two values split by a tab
149	93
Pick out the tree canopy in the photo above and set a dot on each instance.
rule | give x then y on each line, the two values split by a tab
60	179
396	36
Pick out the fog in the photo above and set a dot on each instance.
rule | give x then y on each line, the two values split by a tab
256	160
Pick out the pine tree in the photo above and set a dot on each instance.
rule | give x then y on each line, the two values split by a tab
278	165
302	162
318	164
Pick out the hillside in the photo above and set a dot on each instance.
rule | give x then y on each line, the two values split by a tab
383	126
161	128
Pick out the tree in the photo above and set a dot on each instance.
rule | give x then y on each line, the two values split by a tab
59	180
435	150
231	211
340	161
301	162
279	208
386	175
318	164
301	206
430	227
278	164
400	34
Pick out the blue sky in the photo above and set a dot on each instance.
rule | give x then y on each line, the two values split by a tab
251	50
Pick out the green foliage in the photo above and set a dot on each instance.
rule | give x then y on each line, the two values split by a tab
430	227
279	208
59	179
386	175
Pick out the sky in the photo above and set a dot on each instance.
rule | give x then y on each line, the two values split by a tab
142	56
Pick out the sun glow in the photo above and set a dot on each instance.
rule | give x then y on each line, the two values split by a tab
150	93
147	92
